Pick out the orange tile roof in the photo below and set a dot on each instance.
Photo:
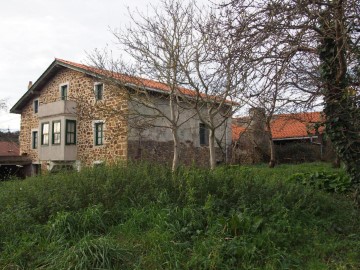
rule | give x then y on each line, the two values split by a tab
9	149
237	131
139	81
295	125
283	126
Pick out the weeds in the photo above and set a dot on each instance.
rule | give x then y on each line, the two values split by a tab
143	217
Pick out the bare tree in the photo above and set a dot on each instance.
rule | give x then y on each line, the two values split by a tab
154	43
319	41
215	67
269	92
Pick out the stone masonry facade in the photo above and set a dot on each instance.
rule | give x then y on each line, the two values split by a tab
81	90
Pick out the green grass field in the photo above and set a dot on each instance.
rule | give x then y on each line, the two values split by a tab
145	217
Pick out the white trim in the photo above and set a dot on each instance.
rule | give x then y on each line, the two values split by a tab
94	134
103	90
67	90
32	138
98	162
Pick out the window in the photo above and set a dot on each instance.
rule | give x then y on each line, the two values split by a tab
36	106
34	140
203	134
70	132
56	133
44	133
99	133
99	89
64	91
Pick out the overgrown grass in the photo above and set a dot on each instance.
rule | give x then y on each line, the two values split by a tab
143	217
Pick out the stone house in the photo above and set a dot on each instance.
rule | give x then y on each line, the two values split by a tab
297	137
76	115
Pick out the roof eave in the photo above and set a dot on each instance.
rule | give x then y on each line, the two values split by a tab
34	89
17	108
295	138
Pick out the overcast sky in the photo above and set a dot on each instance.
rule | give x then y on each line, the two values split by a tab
34	32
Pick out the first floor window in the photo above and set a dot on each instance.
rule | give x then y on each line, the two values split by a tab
70	133
36	106
56	133
45	133
64	91
34	140
203	134
99	89
99	133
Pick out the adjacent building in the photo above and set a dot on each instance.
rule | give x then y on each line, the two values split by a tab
298	137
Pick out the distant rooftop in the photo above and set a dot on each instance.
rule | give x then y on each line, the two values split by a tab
9	148
284	126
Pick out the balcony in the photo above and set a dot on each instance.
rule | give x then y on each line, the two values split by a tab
61	107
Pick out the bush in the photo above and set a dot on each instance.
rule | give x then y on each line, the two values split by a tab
328	181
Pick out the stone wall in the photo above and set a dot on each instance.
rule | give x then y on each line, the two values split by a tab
29	122
81	90
162	152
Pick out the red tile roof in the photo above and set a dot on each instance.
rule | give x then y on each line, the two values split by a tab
93	71
142	82
9	149
289	126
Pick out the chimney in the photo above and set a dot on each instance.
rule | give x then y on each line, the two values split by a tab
29	85
257	119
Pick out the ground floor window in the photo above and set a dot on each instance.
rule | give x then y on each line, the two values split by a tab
45	133
34	140
56	132
99	133
203	134
70	132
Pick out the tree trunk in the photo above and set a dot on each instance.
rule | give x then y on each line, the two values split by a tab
342	114
271	146
272	153
174	130
212	149
175	163
336	163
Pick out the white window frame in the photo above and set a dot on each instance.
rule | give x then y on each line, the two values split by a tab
32	139
42	134
95	90
67	90
103	132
